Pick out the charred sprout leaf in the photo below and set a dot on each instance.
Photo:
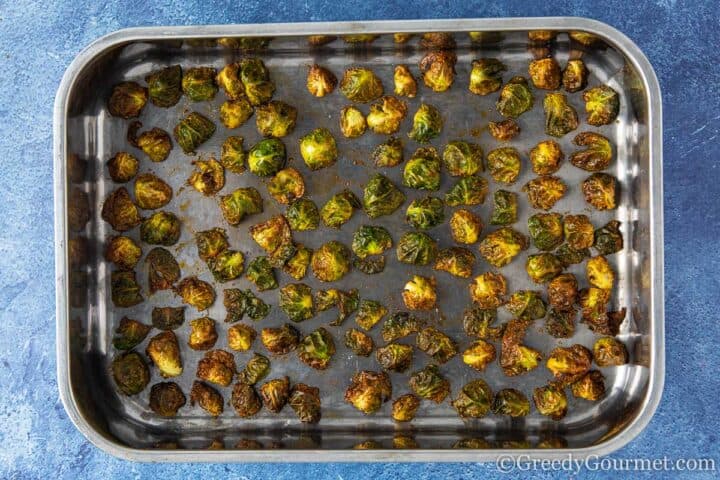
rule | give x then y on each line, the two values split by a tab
505	130
352	122
256	80
479	355
368	391
261	273
486	76
465	227
560	116
515	358
164	86
164	351
196	293
118	210
400	325
599	190
425	213
488	290
166	399
151	192
388	153
297	302
578	231
511	402
210	243
598	154
575	75
127	100
416	248
238	303
563	291
280	340
370	312
320	81
275	238
255	370
275	119
504	208
130	373
526	305
427	124
371	240
240	203
456	261
467	191
599	273
370	265
198	83
361	85
463	159
192	131
266	157
543	192
543	267
207	398
275	393
546	157
405	407
303	214
569	256
545	73
331	261
316	349
438	69
602	104
395	357
245	400
234	113
360	343
504	164
162	228
287	185
305	402
551	401
122	167
129	333
232	155
386	115
419	293
568	364
227	265
125	291
297	265
241	337
339	208
381	196
561	323
229	80
208	177
123	251
405	84
218	367
477	323
474	400
429	384
515	98
610	352
436	344
346	302
546	230
155	143
609	239
422	170
590	386
318	149
168	318
501	246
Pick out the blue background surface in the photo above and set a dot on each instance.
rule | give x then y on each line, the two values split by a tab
37	42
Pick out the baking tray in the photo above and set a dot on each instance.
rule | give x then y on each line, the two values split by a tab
123	426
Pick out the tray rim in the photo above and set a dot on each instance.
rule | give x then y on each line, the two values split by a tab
112	40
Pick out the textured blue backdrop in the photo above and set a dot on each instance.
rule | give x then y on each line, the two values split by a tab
37	42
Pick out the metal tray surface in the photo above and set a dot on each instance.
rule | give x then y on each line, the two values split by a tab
86	318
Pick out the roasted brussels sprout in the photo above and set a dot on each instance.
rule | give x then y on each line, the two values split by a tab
488	290
416	248
601	321
561	323
234	113
166	398
123	251
229	80
515	98
511	402
590	386
486	76
198	83
545	73
405	84
599	273
210	243
474	400
422	170
436	344
164	351
370	312
546	230
218	367
297	265
118	210
563	291
438	69
477	323
266	157
361	85
196	293
122	167
207	397
568	364
127	100
546	157
388	153
515	358
425	213
305	402
429	384
596	157
162	228
130	373
371	240
155	143
456	261
609	239
551	401
505	208
368	391
504	164
232	155
303	214
275	394
331	261
526	305
297	302
287	185
168	318
419	293
505	130
151	192
245	400
256	80
560	116
320	81
386	115
275	119
569	256
360	343
227	265
593	302
602	105
274	236
405	407
255	370
610	352
463	159
467	191
316	349
578	231
352	122
129	333
400	325
238	303
575	75
124	289
599	190
381	196
427	124
241	337
208	177
479	355
465	227
318	149
501	246
339	208
543	192
543	267
396	357
280	340
164	86
261	273
192	131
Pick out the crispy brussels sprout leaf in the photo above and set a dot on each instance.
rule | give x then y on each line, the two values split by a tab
208	177
563	291
352	122
261	273
245	400
526	305
599	190
129	333
280	341
164	86
488	290
320	81
266	157
599	273
164	351
155	143
457	261
515	358
238	303
125	291
438	69
422	170
123	167
608	239
218	367
546	157
474	400
388	153
425	213
202	334
298	264
568	364
505	208
561	323
467	191
575	75
560	116
590	386
316	349
551	401
501	246
123	251
255	370
360	343
610	352
405	407
436	344
505	130
130	372
361	85
486	76
275	238
405	84
127	100
227	265
346	302
515	98
368	391
429	384
196	293
544	192
602	105
543	267
232	155
207	398
427	124
371	265
578	231
275	119
419	293
234	113
511	402
162	228
241	337
416	248
331	261
168	318
463	159
198	83
192	131
400	325
546	230
339	209
256	80
479	355
465	227
569	256
297	302
303	214
210	243
598	154
381	196
395	357
477	323
370	312
371	240
305	402
287	185
239	204
118	210
318	149
229	80
386	115
275	393
151	192
504	165
545	73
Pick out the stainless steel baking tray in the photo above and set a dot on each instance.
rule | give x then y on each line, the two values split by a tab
123	426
